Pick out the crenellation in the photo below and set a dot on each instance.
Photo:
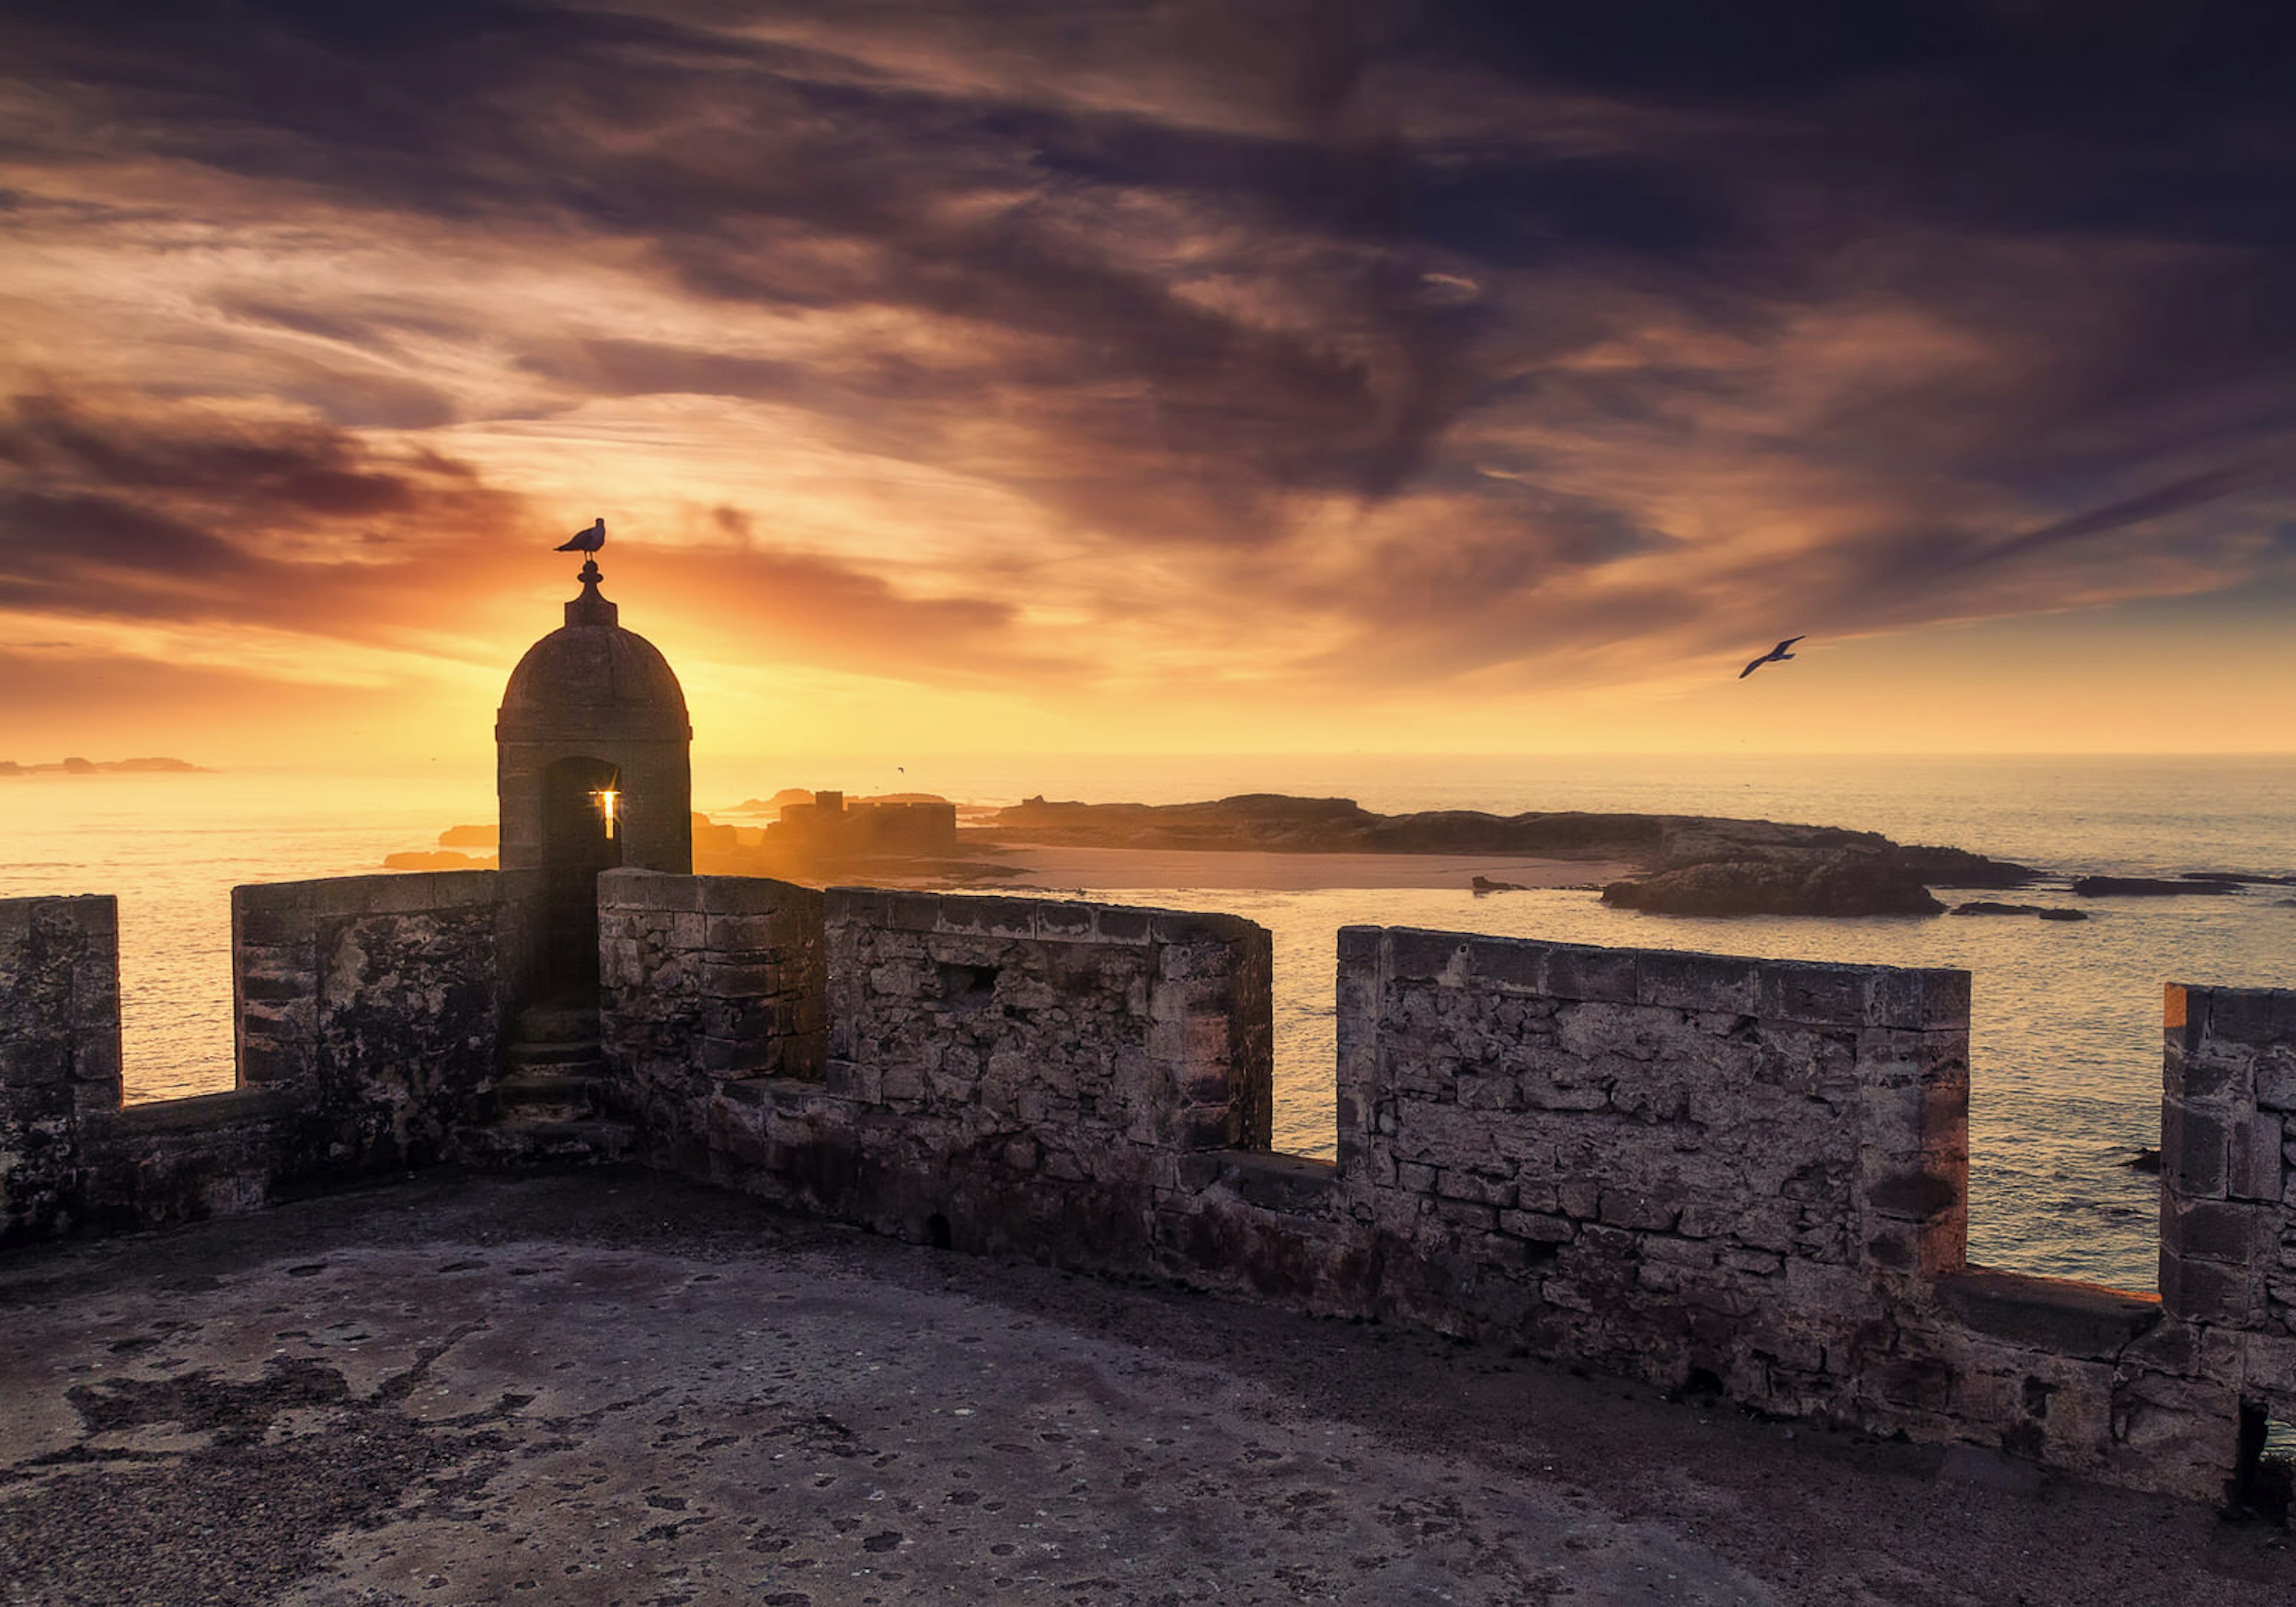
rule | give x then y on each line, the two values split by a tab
1695	1169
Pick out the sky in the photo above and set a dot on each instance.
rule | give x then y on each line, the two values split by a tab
1195	376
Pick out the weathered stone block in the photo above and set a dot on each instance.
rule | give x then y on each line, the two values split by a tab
1462	1183
2217	1073
34	1063
2058	1316
1905	1119
2210	1291
2256	1016
2275	1078
1670	1250
2254	1163
1360	947
1916	1001
95	1058
1541	1096
2226	1231
421	893
1817	994
1637	1208
1694	981
1425	957
283	923
264	1062
1537	1227
1466	1214
2197	1162
735	933
1593	975
651	890
1057	920
1120	925
2268	1367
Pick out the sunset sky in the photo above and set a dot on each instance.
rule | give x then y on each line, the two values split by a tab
1196	376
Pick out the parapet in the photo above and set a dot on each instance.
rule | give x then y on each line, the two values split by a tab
367	1021
1736	1176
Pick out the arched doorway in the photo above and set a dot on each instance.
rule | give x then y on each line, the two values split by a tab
581	835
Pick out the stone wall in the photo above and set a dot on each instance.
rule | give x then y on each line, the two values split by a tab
367	1024
705	980
1674	1165
59	1050
1011	1074
2229	1184
1733	1175
376	1001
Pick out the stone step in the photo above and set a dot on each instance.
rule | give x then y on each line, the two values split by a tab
520	1052
555	1023
570	1086
570	1075
536	1142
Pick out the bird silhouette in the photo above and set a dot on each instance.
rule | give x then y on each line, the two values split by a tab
1776	655
587	541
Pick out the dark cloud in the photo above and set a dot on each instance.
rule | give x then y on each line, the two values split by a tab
2192	491
1965	296
177	515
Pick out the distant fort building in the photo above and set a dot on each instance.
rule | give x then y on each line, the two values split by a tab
828	828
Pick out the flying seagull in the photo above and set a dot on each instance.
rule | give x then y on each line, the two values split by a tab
591	540
1776	655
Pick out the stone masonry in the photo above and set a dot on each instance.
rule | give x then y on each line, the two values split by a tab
1672	1166
376	998
58	1050
705	981
367	1022
2228	1185
1012	1074
1733	1176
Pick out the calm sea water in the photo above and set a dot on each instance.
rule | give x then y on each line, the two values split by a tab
2066	1039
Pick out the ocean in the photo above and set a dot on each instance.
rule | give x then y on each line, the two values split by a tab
2065	1037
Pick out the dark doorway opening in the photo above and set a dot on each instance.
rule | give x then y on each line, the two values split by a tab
2264	1481
581	836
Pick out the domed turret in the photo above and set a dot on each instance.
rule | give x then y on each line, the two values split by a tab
592	680
593	770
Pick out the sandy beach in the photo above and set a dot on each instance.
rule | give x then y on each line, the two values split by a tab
1063	869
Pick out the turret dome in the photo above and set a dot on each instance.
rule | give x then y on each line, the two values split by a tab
591	678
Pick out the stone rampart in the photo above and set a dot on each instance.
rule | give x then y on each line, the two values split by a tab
59	1051
1675	1166
2228	1186
1737	1176
376	1001
705	980
367	1022
1011	1074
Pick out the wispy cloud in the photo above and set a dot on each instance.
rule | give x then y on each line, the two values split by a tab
1045	348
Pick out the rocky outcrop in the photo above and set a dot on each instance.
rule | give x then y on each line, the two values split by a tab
1694	864
1802	884
1986	906
2151	887
103	767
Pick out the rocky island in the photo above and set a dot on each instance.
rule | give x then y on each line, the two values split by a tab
1686	864
1675	864
103	767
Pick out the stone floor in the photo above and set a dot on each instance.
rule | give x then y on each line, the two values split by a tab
613	1388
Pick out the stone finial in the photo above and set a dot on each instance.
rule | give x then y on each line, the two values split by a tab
590	608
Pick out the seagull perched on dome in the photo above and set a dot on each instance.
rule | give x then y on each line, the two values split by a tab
1776	655
587	541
